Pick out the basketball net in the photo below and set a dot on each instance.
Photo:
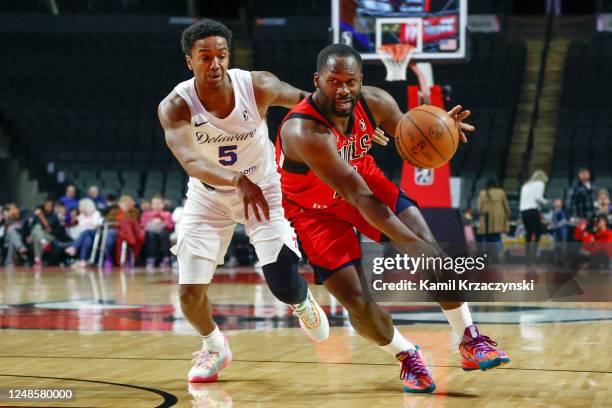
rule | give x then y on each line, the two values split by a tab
396	58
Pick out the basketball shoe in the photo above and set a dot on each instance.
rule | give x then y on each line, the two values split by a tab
477	351
312	319
207	364
415	375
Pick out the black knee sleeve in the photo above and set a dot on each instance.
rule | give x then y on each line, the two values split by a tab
283	278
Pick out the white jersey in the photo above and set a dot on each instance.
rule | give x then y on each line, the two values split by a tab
238	142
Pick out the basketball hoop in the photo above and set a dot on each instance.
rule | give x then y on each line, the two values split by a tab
396	58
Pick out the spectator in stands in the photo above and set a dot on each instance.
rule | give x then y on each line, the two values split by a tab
603	204
145	205
124	217
558	223
71	202
532	197
558	228
69	199
45	228
158	225
94	194
583	198
494	213
89	219
111	202
598	242
13	239
62	215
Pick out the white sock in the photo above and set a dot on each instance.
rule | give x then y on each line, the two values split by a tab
398	344
214	340
459	319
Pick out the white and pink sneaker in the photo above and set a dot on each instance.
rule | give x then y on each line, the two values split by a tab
208	364
313	320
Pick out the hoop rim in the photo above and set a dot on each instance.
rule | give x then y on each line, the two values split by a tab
397	51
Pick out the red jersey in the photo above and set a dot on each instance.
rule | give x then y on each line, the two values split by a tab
301	188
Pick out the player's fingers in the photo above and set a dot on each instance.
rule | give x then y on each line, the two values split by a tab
264	207
468	127
463	115
246	209
453	112
379	137
255	210
380	132
463	138
263	204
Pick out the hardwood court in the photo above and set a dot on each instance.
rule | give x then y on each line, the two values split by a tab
118	338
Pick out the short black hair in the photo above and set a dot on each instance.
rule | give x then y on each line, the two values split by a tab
604	218
337	50
202	29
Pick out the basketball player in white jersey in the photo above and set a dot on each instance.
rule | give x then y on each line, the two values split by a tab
215	126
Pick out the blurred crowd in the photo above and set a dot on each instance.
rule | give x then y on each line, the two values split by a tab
80	230
587	219
64	231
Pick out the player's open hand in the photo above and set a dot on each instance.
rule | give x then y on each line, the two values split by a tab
379	137
252	196
459	116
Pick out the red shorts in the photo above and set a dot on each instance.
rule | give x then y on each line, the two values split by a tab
328	235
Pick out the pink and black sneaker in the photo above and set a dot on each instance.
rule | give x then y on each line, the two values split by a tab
415	375
477	351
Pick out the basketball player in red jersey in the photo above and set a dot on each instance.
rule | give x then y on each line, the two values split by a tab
331	185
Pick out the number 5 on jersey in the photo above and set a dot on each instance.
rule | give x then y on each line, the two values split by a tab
228	155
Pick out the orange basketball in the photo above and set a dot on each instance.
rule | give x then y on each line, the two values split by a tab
426	137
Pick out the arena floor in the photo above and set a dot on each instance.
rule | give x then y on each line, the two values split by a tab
119	339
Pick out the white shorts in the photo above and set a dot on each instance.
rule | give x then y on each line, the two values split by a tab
208	223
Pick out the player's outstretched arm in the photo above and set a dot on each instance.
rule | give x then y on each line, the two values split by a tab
388	114
316	147
271	91
175	118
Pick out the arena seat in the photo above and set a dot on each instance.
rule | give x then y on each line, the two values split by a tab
584	132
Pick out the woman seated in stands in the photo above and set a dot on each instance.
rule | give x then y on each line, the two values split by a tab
125	221
13	240
46	234
158	225
597	241
603	204
88	221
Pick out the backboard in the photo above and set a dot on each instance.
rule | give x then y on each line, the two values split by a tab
436	28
